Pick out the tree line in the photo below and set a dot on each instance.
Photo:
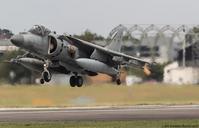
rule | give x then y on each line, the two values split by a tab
5	34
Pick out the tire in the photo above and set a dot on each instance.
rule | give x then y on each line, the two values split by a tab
42	81
46	76
72	81
79	81
118	81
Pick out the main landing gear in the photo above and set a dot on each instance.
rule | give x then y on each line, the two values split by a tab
76	81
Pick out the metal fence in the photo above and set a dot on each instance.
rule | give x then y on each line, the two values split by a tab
167	36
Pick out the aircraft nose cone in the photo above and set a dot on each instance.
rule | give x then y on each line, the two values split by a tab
17	40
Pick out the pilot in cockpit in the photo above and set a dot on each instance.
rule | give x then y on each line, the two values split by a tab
39	30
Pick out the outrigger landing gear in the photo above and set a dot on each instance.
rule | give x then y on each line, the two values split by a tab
118	81
76	81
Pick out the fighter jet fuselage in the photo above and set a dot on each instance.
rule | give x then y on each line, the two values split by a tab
66	54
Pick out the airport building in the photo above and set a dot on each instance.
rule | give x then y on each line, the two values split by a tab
6	45
184	71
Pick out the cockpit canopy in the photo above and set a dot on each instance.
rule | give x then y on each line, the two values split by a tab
39	30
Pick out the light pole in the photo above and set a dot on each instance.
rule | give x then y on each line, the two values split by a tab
184	49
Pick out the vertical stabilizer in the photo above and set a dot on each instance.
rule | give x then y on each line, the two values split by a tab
116	43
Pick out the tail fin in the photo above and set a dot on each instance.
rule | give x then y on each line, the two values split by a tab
116	43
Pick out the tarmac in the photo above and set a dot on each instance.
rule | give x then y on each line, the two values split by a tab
148	112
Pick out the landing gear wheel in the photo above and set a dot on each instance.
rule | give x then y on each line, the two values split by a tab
76	81
46	76
72	81
42	81
118	81
79	81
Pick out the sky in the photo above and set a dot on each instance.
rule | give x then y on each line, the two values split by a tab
99	16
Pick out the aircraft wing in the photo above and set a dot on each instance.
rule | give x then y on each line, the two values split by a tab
117	57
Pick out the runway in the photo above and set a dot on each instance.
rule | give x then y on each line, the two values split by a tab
99	113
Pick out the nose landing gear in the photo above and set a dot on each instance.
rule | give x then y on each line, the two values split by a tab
46	75
42	81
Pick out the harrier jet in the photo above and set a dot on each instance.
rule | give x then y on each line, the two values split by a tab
48	52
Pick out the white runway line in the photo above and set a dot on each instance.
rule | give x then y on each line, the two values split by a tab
97	109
